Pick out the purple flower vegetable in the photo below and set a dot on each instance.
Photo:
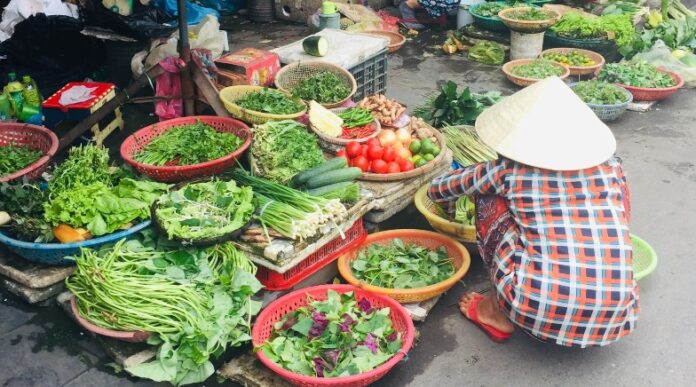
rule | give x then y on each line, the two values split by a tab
393	336
347	322
319	367
371	343
365	305
292	320
320	323
332	356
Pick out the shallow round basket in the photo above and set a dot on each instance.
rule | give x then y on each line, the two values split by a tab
610	112
176	173
490	23
578	70
334	143
605	47
655	94
274	312
521	81
396	40
528	26
644	258
436	217
289	76
428	239
129	336
35	137
229	95
58	253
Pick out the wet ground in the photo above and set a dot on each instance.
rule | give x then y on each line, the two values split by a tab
41	347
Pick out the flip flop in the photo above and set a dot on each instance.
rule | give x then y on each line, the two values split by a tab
493	333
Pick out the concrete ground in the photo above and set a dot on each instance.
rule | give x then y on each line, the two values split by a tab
41	347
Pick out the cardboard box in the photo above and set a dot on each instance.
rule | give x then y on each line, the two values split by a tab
257	66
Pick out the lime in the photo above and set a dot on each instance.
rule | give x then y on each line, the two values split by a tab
428	156
420	163
415	159
415	146
435	150
426	145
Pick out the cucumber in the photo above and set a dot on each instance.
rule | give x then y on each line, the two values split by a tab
329	188
329	165
316	45
332	177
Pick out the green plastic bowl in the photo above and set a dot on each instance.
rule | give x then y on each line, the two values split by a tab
644	258
493	23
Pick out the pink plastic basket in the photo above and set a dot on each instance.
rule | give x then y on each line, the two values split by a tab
176	173
36	137
655	94
275	311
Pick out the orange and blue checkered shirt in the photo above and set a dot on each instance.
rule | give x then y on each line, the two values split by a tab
563	270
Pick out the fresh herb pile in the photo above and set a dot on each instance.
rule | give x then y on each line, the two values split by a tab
188	144
487	52
196	302
600	93
638	74
452	108
402	266
466	146
355	117
465	211
491	9
529	14
281	149
15	157
270	101
678	31
205	210
323	87
576	26
83	166
573	58
339	336
24	202
538	69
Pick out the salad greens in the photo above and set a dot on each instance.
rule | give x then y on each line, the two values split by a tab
356	117
205	210
270	101
529	14
600	93
617	27
487	52
323	87
85	165
24	202
281	149
401	266
15	157
537	69
491	9
338	336
637	74
452	108
188	144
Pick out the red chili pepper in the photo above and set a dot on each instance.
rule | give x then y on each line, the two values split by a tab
358	132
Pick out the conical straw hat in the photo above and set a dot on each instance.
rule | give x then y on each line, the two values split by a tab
546	125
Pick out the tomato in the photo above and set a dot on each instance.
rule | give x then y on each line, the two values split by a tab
353	149
393	167
389	154
362	163
342	153
378	166
363	151
375	152
405	165
373	141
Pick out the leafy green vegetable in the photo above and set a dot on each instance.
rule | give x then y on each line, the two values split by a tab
402	266
674	33
638	74
15	157
323	87
270	101
450	108
205	210
487	52
24	202
85	165
491	9
528	14
601	93
617	27
538	69
339	336
281	149
356	117
188	144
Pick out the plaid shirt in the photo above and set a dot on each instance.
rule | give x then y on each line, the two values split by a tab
563	271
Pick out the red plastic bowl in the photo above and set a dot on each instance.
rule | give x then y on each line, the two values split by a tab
176	173
275	311
655	94
36	137
132	337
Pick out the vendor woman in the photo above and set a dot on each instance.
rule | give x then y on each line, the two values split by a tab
552	222
436	9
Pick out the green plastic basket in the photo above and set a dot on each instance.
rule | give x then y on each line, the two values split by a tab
490	23
644	258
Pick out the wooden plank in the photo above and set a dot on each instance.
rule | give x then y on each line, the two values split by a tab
208	91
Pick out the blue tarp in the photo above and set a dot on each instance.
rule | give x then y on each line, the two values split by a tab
194	12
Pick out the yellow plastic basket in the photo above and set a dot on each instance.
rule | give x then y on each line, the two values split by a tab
229	95
434	215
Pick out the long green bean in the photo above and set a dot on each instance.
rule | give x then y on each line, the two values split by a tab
467	148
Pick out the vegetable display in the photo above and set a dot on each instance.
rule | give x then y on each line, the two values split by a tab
339	336
323	87
467	148
528	14
600	93
537	69
205	210
355	117
385	110
281	149
617	27
465	211
401	266
84	165
491	9
487	52
639	74
453	108
270	101
188	144
676	31
24	202
315	45
15	157
324	120
332	179
573	58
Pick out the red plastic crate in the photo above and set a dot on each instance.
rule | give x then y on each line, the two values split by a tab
328	253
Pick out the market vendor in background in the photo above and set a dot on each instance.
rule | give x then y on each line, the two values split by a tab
436	9
552	221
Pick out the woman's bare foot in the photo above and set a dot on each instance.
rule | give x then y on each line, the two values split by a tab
488	312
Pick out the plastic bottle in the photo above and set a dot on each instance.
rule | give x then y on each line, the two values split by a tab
31	92
5	107
13	89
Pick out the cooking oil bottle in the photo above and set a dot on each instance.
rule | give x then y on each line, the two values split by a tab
31	92
14	89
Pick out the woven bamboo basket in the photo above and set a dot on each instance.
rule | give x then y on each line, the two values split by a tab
289	76
229	95
578	70
528	26
335	143
435	216
524	82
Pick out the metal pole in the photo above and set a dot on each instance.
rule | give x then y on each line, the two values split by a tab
185	55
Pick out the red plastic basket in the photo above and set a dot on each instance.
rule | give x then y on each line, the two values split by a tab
655	94
36	137
328	253
176	173
275	311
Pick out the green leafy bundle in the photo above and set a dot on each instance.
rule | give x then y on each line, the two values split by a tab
15	157
674	33
339	336
600	93
528	14
24	202
637	74
85	165
205	210
617	27
538	69
270	101
187	145
466	146
323	87
487	52
401	266
491	9
451	108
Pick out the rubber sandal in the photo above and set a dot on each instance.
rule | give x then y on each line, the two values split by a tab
493	333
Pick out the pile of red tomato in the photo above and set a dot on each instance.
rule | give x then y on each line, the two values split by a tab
375	158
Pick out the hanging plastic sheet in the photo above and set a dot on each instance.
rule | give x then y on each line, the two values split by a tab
194	12
169	85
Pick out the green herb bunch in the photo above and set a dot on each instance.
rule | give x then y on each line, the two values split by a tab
637	74
600	93
577	26
323	87
14	157
453	108
538	69
85	165
270	101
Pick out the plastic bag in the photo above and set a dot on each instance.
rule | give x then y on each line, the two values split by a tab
143	25
168	85
194	12
661	55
